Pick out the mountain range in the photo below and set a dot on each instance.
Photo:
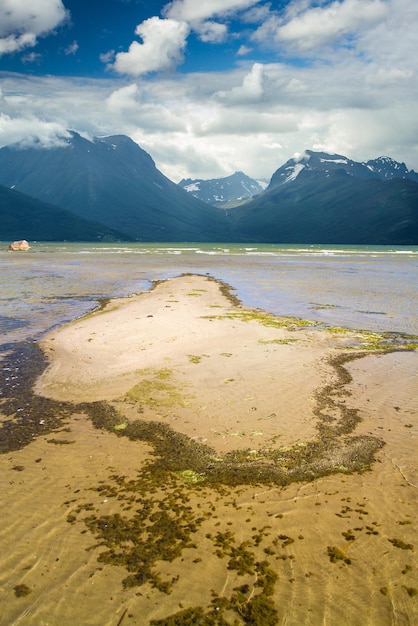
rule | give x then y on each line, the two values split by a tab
109	188
224	192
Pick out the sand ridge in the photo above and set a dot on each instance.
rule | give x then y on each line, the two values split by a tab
229	382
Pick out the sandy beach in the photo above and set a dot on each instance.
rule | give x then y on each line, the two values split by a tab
219	463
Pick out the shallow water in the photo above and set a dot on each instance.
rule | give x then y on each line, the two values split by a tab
370	516
372	288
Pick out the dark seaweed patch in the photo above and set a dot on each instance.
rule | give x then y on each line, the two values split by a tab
21	591
27	415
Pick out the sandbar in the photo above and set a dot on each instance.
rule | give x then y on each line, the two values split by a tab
187	354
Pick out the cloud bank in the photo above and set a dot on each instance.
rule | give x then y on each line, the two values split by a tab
338	76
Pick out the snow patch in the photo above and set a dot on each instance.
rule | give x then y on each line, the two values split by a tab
296	170
344	161
192	187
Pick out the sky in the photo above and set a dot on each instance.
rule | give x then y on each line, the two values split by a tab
210	87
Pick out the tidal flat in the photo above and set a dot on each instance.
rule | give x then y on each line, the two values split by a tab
186	460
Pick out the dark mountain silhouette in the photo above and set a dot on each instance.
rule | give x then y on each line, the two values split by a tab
111	180
22	216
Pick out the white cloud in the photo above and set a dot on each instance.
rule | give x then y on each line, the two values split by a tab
22	22
123	98
198	15
32	57
257	14
243	50
31	132
14	43
306	28
107	57
71	49
212	32
250	91
162	47
323	25
192	10
390	76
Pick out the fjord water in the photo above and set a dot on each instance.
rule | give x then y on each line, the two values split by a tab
370	288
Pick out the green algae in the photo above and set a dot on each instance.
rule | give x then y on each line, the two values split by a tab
155	390
191	477
265	319
319	307
284	342
160	529
333	450
385	342
194	358
159	520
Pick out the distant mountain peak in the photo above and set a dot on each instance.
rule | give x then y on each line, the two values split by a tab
223	192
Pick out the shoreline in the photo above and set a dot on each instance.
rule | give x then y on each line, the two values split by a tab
231	471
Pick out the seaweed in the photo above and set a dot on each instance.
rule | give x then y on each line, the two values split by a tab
21	591
336	554
411	591
27	415
398	543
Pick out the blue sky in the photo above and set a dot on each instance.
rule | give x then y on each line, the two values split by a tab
209	87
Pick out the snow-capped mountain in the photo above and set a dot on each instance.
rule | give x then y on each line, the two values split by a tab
328	198
383	168
224	192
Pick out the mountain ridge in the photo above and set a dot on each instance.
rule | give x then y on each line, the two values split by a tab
314	198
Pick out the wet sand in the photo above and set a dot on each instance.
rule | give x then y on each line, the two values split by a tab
337	548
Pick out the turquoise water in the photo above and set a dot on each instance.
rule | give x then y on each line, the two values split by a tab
365	287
